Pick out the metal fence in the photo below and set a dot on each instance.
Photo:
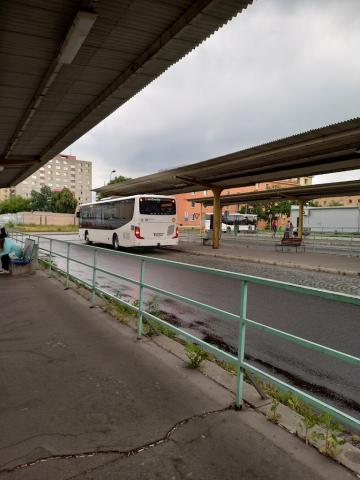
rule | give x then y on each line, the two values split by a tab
46	247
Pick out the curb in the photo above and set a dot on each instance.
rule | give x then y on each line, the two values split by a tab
349	456
289	420
351	273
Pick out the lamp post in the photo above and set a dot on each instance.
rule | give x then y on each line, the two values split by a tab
112	171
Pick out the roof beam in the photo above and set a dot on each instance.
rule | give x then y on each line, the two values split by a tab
294	193
193	181
75	37
183	21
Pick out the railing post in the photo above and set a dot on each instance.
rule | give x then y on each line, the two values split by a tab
67	265
241	346
141	300
93	296
50	257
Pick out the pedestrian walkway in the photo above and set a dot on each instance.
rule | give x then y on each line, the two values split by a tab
82	398
266	254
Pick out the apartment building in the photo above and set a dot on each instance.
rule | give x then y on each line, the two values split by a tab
62	171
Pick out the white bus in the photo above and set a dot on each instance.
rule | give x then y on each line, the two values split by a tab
244	222
136	221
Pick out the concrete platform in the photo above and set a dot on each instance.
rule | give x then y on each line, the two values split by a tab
265	254
82	398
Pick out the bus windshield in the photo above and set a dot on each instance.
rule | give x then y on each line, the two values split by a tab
157	206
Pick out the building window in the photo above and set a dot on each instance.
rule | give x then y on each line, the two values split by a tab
205	193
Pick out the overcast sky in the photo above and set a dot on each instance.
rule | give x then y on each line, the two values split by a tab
279	68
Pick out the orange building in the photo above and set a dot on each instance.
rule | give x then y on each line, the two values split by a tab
344	201
189	212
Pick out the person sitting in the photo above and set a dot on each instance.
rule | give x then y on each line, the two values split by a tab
3	233
8	248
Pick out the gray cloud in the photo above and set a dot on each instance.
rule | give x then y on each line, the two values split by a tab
279	68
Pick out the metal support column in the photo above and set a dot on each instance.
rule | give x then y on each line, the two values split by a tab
301	219
217	217
241	346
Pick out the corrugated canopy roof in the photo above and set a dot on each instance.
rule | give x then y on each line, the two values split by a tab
67	64
328	149
305	193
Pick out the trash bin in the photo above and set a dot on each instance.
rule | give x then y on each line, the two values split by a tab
207	238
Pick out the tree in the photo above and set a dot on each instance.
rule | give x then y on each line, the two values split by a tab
15	204
48	201
63	202
118	179
41	201
262	209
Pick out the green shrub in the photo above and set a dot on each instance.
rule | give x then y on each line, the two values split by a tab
195	354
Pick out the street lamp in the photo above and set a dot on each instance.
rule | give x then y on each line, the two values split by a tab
112	171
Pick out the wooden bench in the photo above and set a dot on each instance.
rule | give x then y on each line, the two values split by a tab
290	242
24	264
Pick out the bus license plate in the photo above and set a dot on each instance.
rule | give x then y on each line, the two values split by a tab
158	234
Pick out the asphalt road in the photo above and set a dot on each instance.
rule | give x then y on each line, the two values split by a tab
330	323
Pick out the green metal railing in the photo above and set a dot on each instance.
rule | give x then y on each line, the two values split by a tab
242	319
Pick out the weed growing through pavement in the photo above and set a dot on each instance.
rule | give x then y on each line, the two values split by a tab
332	441
195	354
274	416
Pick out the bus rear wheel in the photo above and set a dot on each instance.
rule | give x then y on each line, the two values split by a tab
115	242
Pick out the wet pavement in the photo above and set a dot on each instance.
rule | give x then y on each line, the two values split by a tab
323	321
82	399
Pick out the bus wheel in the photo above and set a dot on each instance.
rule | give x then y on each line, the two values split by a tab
115	242
87	240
